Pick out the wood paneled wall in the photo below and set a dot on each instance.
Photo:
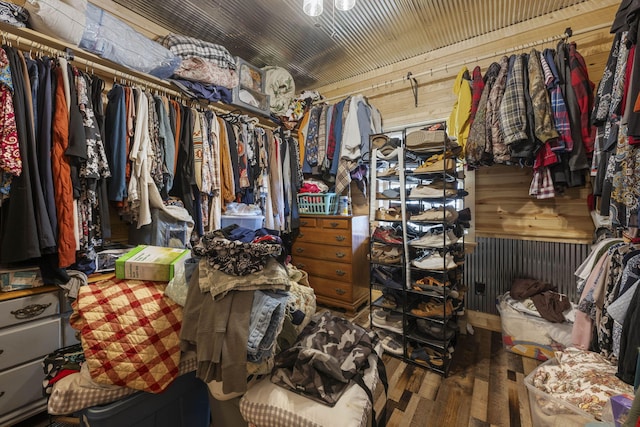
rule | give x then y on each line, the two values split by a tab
502	205
504	209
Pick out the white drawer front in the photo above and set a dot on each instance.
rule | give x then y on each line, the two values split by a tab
68	333
32	340
20	310
20	386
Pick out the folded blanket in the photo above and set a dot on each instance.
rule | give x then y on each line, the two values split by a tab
130	333
187	47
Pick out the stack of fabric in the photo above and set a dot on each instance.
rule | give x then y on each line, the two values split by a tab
207	69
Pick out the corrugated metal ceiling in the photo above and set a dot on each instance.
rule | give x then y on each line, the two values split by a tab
337	45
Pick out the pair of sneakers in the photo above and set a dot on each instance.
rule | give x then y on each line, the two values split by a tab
435	261
389	277
391	343
386	235
435	240
431	192
388	320
437	214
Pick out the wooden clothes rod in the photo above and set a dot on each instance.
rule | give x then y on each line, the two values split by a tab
29	40
459	64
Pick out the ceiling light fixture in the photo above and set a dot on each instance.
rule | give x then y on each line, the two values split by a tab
316	7
313	7
344	4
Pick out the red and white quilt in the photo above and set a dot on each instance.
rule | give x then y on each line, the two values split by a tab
130	333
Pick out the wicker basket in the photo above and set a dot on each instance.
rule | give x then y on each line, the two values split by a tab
317	203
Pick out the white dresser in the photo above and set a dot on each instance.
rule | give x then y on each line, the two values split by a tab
30	328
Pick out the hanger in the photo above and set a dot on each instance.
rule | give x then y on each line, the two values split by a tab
231	116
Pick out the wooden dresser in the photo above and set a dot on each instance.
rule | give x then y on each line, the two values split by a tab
334	251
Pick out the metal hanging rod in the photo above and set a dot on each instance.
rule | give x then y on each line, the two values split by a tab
447	67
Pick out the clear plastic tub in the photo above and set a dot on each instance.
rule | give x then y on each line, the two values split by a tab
252	222
550	411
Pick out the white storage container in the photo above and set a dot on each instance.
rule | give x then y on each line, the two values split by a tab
252	222
250	93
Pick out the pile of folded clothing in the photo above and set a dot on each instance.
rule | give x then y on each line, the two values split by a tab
207	69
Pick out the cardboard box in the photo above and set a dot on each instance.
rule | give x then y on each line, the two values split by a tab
151	263
12	279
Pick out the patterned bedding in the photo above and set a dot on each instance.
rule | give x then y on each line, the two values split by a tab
581	378
130	333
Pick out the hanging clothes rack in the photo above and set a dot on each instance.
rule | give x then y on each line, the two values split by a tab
455	66
29	40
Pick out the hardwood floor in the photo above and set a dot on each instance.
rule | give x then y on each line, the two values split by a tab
485	386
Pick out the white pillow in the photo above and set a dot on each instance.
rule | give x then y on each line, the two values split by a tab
57	19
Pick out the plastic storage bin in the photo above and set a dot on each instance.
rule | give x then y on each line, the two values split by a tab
549	411
252	222
164	230
528	335
185	403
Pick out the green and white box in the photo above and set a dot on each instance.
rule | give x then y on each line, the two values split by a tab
151	263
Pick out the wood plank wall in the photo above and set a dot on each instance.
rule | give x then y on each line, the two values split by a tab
503	207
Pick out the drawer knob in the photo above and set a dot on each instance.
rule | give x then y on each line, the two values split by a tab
340	238
334	224
30	311
299	250
341	272
340	291
340	254
300	235
303	223
301	266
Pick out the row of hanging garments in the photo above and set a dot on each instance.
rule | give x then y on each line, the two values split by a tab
609	305
616	113
529	109
66	159
334	139
174	153
54	166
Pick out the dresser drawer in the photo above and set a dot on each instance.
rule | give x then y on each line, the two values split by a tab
330	270
26	342
334	223
324	236
20	386
331	288
308	222
25	309
318	251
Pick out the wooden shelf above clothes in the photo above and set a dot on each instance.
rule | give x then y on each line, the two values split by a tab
37	43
